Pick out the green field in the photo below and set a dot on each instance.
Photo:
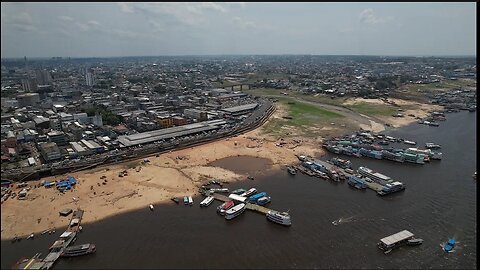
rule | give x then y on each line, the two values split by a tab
373	109
443	85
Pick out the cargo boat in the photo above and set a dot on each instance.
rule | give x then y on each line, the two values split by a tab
392	156
224	207
409	142
427	152
254	198
280	218
235	211
432	146
387	244
79	250
375	176
357	182
342	163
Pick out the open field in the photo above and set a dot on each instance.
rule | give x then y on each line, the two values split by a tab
440	86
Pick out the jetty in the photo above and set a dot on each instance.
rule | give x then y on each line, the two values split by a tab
249	206
56	249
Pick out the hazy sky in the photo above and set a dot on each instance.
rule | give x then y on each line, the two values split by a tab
138	29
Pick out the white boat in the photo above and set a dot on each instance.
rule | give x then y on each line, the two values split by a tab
151	207
235	211
409	142
207	201
249	192
432	146
30	236
190	200
224	207
280	218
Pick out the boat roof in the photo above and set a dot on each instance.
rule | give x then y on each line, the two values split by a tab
237	197
66	234
394	238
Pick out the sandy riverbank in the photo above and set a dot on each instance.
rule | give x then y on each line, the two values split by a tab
175	174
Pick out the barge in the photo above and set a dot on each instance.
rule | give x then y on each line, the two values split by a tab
387	244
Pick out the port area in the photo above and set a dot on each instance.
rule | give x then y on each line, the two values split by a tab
249	206
371	185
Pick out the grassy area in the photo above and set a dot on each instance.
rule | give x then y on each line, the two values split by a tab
443	85
373	109
304	118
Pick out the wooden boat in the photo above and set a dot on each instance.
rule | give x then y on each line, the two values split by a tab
79	250
414	242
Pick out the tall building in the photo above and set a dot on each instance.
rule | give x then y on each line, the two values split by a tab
43	76
29	85
89	80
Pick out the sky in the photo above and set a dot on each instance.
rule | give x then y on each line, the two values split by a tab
219	28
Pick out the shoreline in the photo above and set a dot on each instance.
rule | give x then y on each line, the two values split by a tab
176	173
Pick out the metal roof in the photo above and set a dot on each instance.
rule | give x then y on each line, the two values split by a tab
241	108
394	238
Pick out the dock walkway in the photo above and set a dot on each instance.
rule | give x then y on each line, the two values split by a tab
250	206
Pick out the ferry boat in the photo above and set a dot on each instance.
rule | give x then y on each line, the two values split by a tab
78	250
391	188
254	198
185	200
291	170
207	201
426	152
342	163
280	218
410	142
357	182
224	207
235	211
190	200
264	200
249	192
387	244
238	191
375	176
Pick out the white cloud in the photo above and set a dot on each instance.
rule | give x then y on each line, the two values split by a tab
21	21
125	7
65	18
368	16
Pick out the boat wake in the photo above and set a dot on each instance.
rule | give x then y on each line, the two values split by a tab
343	220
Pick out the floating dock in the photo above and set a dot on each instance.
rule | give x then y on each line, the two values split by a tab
250	206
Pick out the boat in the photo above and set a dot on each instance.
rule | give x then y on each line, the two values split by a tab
448	247
30	236
185	200
375	176
238	191
409	142
342	163
249	192
387	244
207	201
291	170
78	250
151	207
282	218
224	207
414	242
250	177
190	200
176	200
391	188
356	182
264	200
254	198
235	211
475	175
432	146
222	190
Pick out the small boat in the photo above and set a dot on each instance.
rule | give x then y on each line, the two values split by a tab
250	178
78	250
30	236
207	201
475	175
291	170
238	191
432	146
409	142
190	200
280	218
263	200
215	182
176	200
15	239
414	242
185	200
151	207
448	247
249	192
235	211
224	207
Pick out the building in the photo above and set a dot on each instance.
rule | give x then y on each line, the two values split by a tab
43	77
92	146
29	85
179	121
79	149
50	151
165	121
57	137
89	80
28	99
196	114
240	110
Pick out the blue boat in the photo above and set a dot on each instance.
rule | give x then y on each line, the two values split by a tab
263	200
6	182
71	180
449	245
257	196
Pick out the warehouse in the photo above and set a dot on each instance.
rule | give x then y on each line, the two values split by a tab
240	110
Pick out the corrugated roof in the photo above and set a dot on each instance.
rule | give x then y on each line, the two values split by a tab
394	238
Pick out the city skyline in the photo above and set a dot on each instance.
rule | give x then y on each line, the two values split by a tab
181	29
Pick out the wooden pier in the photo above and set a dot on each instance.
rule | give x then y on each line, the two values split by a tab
250	206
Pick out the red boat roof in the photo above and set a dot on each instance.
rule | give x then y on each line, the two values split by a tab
227	205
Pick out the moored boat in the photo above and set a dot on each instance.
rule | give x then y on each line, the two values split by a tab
263	200
282	218
78	250
224	207
235	211
151	207
414	242
185	200
190	200
249	192
238	191
410	142
291	170
448	247
176	200
207	201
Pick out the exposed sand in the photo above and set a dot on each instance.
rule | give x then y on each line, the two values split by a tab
159	180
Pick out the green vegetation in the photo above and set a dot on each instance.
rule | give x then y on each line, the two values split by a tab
373	109
443	85
108	117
